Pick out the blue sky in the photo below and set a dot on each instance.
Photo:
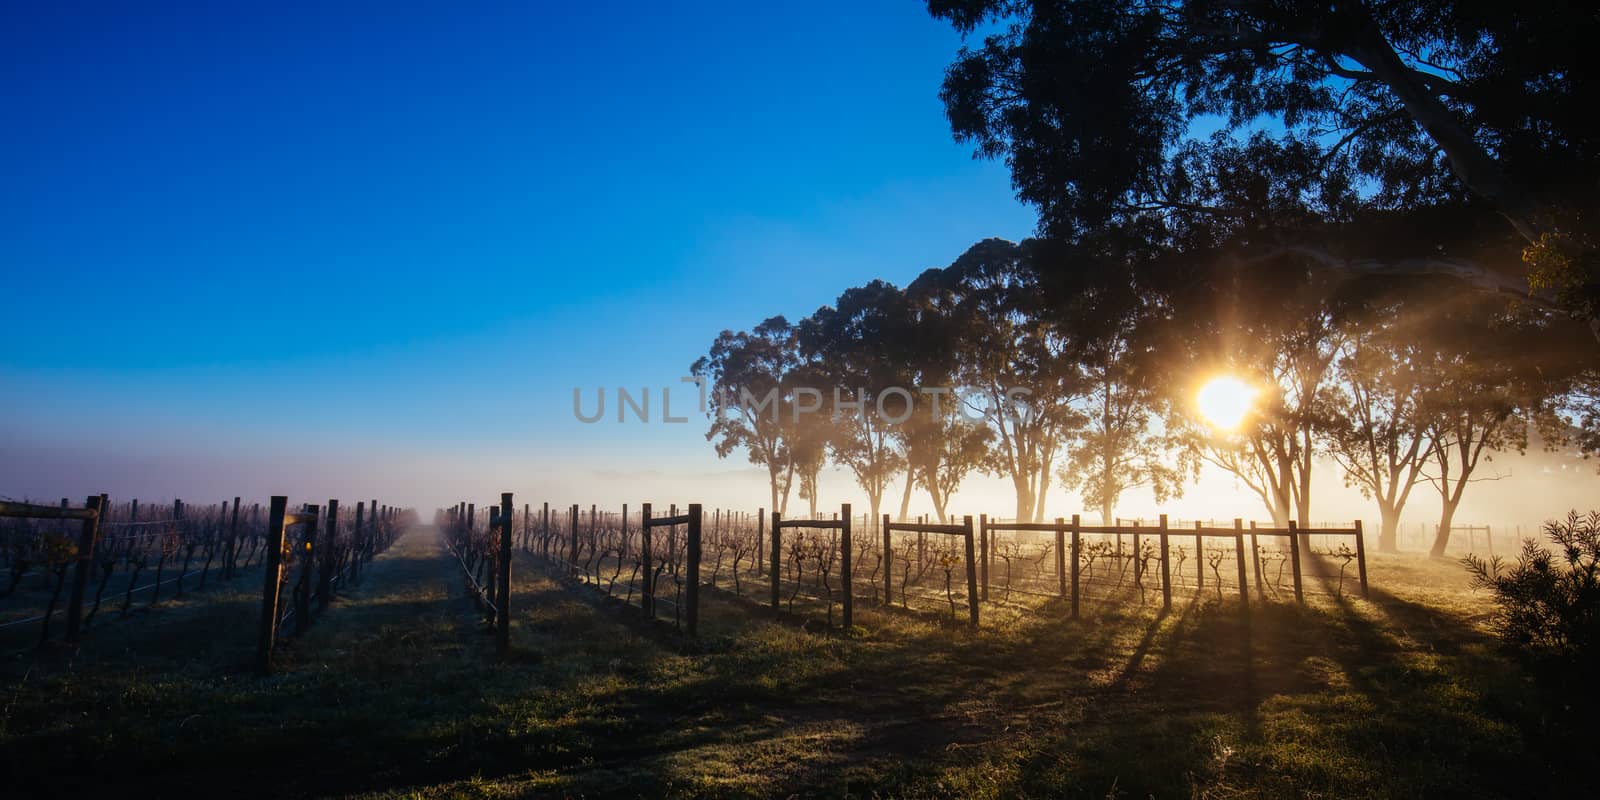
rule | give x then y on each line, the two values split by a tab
405	234
371	251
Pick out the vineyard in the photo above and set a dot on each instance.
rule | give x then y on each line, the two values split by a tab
70	570
657	641
659	565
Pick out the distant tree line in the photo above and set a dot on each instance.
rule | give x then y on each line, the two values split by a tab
1383	215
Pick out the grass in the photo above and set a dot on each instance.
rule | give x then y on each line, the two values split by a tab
397	693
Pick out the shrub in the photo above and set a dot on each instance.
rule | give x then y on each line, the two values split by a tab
1549	601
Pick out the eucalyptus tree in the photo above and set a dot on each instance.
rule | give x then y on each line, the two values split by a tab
807	429
1122	445
851	345
1017	363
747	376
1500	370
1273	326
1095	105
1380	432
942	444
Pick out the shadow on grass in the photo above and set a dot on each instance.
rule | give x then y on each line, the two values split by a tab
398	691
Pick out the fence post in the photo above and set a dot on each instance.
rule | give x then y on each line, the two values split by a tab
302	595
1294	557
325	574
1255	562
622	549
1238	549
983	552
777	559
491	554
233	542
80	571
972	573
647	590
761	536
1361	557
572	553
1061	557
888	563
268	633
846	566
544	531
1199	558
1076	552
358	542
1166	572
692	613
502	603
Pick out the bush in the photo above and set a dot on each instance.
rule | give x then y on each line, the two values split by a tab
1549	601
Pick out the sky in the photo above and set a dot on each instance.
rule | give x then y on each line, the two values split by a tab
388	236
371	250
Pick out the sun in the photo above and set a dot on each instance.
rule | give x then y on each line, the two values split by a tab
1225	401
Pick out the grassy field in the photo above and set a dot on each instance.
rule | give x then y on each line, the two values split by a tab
398	693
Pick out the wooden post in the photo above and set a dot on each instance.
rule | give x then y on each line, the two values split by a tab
622	549
1255	563
692	596
983	552
502	602
358	544
1138	559
761	537
972	573
845	566
1199	558
492	552
777	559
1061	557
888	553
268	633
302	595
647	597
1294	558
1077	551
87	535
325	573
572	554
233	543
1361	557
1238	550
1166	573
544	531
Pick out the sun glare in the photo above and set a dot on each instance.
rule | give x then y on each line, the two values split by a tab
1225	401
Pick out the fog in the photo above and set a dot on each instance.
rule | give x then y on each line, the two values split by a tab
1530	488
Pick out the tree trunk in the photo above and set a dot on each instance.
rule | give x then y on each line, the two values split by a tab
905	497
1024	502
772	483
1441	538
1040	495
1105	511
1389	531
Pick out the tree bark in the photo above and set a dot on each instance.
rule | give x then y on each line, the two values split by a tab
905	496
1441	538
1389	531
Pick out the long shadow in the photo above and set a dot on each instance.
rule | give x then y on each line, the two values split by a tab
1417	718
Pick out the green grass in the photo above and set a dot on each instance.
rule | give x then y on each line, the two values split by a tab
398	693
